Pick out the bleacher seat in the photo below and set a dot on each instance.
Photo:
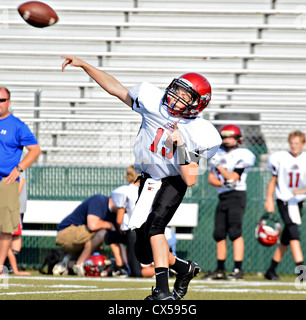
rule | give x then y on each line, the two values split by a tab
253	53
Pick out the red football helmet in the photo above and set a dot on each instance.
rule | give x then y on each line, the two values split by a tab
96	265
268	230
231	130
197	86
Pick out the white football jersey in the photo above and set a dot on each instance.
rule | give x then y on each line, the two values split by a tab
154	153
290	172
125	197
239	158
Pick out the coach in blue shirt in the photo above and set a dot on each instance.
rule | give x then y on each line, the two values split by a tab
83	231
14	136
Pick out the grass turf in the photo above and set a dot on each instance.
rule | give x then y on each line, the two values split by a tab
43	287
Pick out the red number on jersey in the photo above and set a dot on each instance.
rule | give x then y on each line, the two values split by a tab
291	182
168	149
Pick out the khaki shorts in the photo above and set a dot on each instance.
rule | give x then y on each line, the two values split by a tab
73	238
9	207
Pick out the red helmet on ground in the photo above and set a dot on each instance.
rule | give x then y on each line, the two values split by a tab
197	86
268	230
96	265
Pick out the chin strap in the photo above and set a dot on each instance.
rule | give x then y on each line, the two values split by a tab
225	148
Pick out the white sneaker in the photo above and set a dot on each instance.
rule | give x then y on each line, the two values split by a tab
61	268
79	270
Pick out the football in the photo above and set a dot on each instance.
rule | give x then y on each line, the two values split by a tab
37	14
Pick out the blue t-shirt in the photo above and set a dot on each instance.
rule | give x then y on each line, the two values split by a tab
14	135
96	205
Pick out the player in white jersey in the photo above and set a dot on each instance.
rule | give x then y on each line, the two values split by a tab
125	198
171	141
289	178
228	174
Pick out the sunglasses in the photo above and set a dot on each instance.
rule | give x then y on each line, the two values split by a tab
3	100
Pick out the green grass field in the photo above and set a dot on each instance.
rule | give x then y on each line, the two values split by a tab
41	287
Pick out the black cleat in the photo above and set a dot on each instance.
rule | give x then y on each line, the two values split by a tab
236	275
215	275
271	275
121	272
182	281
159	295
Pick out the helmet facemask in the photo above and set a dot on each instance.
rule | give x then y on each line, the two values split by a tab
227	147
190	106
230	131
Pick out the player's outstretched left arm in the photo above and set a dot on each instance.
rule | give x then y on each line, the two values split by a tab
105	80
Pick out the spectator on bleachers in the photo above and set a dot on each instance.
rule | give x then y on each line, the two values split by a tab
287	184
14	136
83	231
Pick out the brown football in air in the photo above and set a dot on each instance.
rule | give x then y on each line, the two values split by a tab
38	14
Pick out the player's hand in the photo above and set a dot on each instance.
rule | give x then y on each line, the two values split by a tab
73	61
175	136
297	191
229	184
112	227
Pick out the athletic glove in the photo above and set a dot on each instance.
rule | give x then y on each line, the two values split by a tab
229	184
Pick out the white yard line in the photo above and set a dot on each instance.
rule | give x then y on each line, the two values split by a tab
147	280
196	286
70	291
246	291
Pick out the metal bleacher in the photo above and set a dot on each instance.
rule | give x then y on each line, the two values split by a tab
253	53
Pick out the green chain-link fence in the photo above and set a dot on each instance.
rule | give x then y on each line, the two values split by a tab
78	183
